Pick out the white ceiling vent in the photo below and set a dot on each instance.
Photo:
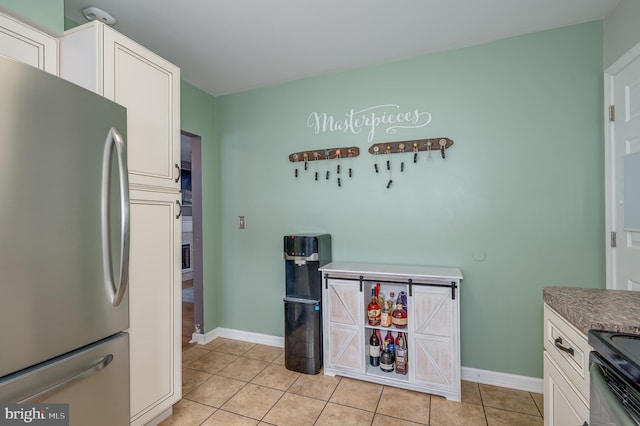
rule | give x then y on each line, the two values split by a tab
95	14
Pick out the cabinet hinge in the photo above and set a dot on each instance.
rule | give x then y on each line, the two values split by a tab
612	113
613	239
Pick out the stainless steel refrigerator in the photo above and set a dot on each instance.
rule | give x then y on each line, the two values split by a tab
64	247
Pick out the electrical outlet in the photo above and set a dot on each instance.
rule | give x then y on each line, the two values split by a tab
241	222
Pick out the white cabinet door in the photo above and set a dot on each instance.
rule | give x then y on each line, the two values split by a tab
155	304
26	44
436	357
101	59
343	305
149	87
562	405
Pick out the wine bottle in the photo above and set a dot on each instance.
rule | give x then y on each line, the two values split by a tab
373	310
386	359
388	340
374	349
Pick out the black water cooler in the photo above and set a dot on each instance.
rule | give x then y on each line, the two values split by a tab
304	254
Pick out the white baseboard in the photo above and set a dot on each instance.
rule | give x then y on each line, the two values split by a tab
512	381
246	336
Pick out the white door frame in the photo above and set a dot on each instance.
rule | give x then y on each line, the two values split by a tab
610	219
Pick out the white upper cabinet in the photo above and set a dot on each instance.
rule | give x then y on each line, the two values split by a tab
100	59
26	44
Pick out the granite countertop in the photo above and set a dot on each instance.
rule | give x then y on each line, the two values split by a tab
596	309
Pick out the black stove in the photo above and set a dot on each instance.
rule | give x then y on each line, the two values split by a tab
621	351
617	356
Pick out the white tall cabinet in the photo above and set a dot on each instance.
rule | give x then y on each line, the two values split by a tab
26	44
100	59
432	331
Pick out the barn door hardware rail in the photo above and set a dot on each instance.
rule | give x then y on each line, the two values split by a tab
337	154
453	286
429	145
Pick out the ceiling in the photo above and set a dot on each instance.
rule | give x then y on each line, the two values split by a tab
230	46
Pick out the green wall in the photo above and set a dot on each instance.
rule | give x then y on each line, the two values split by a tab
517	205
197	115
47	14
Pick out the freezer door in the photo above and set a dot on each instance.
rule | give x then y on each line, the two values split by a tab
94	382
63	217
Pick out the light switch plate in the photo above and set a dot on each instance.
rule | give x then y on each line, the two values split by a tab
241	222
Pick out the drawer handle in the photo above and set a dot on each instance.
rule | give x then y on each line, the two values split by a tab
558	343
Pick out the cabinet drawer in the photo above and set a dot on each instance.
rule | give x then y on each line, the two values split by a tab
574	361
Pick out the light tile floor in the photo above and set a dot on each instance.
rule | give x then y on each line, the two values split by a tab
230	382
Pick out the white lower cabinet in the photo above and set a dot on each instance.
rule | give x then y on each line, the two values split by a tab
432	331
566	372
155	292
562	405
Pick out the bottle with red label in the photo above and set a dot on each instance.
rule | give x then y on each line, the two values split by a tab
399	316
373	310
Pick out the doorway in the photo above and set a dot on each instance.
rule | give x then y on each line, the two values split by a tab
192	277
622	172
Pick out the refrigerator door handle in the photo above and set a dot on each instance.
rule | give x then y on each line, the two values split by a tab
85	372
115	293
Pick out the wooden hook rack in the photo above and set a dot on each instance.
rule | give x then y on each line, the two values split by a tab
324	154
431	144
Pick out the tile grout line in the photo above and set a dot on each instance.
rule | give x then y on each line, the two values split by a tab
484	411
536	405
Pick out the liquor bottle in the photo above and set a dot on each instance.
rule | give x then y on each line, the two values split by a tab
386	359
399	316
379	295
403	297
373	310
391	302
385	316
388	340
374	349
402	365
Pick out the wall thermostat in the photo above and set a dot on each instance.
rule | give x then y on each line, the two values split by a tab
94	14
